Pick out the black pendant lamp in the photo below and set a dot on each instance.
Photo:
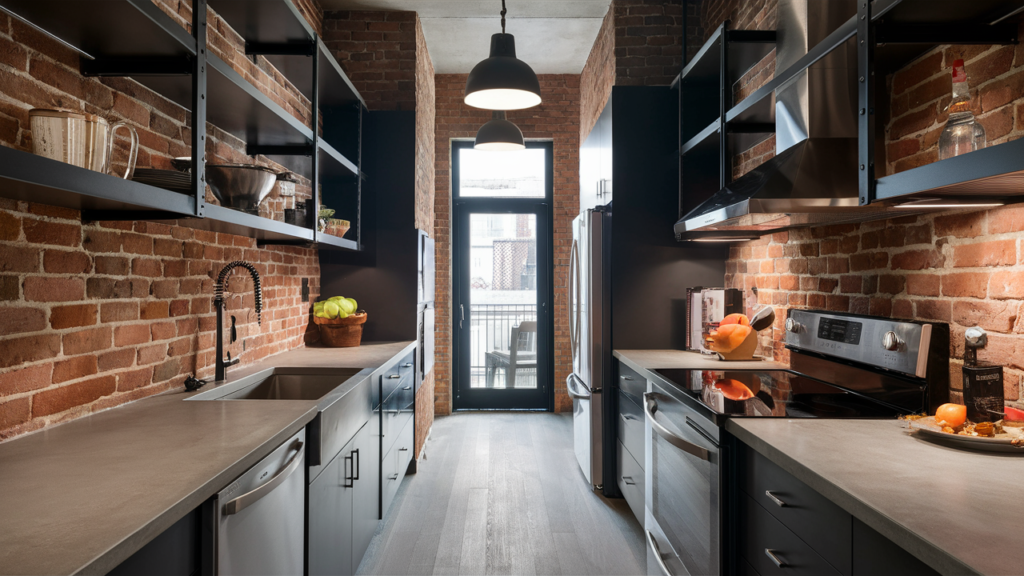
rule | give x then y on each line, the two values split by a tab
502	82
499	134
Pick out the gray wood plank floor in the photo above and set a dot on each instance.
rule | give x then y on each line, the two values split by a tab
501	493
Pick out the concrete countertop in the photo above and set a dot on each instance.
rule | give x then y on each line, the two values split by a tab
958	511
83	496
685	360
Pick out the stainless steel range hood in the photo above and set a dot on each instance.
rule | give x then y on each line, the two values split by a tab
812	180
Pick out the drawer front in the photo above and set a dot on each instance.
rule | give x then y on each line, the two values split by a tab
632	384
631	481
393	467
398	411
631	427
762	536
392	380
817	520
743	568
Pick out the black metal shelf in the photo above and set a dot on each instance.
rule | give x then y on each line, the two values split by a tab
276	30
134	38
703	138
33	178
744	49
988	174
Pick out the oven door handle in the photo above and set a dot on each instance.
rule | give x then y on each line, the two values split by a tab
650	407
570	386
653	544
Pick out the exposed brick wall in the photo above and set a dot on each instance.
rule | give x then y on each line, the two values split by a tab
648	41
963	269
377	49
96	315
99	314
921	92
598	76
557	119
425	120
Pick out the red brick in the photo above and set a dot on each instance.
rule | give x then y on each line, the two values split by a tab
66	397
180	347
169	369
917	260
16	320
1006	219
163	330
10	225
998	123
74	368
44	232
85	341
25	379
102	241
116	359
923	284
134	379
960	225
15	258
29	349
916	72
119	311
112	265
131	334
137	244
933	310
1003	285
890	284
995	316
153	310
152	354
147	267
14	412
996	253
73	316
966	284
63	262
54	289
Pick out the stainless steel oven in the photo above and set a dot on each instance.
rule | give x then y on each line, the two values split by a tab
684	499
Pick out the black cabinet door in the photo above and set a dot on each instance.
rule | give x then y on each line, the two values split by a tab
876	555
330	517
366	494
175	552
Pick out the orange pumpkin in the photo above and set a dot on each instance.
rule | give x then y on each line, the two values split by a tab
954	415
728	337
734	389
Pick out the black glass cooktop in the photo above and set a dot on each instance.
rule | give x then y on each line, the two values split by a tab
774	393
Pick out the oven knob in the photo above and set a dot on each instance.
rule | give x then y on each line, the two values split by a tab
792	325
890	341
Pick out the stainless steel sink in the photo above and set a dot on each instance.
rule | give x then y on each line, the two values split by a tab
282	384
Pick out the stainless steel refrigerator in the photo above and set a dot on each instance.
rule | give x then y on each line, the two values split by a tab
589	319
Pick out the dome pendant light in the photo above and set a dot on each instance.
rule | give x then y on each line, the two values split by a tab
502	81
499	134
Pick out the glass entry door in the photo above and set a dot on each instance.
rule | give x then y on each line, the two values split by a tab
502	279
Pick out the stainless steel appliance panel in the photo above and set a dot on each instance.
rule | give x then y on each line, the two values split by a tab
365	490
330	516
631	481
685	497
260	516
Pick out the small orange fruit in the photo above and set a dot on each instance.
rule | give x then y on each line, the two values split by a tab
953	415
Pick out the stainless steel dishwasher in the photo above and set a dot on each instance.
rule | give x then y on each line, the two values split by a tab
260	516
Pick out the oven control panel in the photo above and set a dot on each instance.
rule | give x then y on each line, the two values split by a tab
879	342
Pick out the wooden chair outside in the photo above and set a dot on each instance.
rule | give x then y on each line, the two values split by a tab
522	354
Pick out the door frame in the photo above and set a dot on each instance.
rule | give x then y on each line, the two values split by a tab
542	208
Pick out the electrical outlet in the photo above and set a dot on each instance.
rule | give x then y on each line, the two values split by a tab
305	289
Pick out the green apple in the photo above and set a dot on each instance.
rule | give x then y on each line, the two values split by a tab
332	309
355	305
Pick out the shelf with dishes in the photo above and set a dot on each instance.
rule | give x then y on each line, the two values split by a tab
136	39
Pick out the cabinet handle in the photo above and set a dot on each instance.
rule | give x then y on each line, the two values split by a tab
407	365
355	454
407	388
627	378
657	553
771	555
393	477
403	449
628	480
393	376
771	496
349	464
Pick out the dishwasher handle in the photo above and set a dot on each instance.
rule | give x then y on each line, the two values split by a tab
249	498
650	407
657	553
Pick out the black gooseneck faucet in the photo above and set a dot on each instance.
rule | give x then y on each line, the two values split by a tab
218	303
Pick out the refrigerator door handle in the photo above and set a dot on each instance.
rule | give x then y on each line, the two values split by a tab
462	315
570	386
574	310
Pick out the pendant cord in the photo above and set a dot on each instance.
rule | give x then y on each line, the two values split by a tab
503	11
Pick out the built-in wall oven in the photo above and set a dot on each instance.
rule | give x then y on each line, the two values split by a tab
841	366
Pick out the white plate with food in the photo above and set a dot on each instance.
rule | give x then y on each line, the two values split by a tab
950	425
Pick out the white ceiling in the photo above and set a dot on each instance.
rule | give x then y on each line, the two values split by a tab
552	36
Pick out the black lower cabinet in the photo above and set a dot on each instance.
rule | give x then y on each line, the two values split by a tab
175	552
783	526
876	555
343	507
